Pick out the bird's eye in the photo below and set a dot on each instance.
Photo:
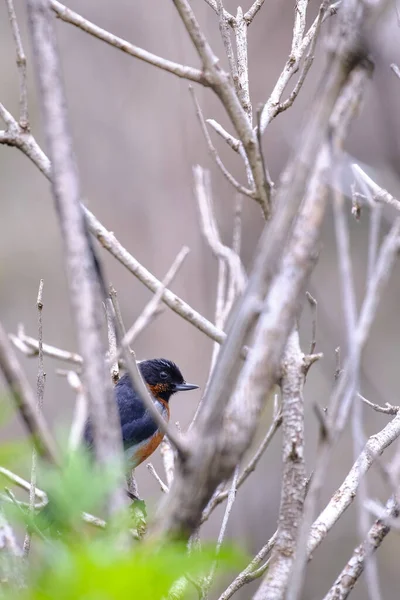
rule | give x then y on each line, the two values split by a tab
163	375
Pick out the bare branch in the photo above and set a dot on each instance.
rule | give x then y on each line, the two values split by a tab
221	535
242	64
112	340
224	29
220	83
151	308
41	378
22	483
250	468
80	412
251	572
346	493
299	46
84	283
21	64
25	401
379	194
313	305
253	10
294	475
210	464
240	188
30	347
164	488
349	576
168	458
69	16
395	69
213	4
229	139
388	409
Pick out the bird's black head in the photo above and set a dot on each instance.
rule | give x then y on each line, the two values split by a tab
163	378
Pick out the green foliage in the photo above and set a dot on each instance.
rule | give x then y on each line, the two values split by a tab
100	571
75	560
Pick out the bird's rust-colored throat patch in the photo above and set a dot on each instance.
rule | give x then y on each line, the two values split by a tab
157	390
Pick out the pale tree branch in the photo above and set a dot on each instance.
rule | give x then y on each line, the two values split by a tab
221	84
28	145
229	139
168	458
250	467
69	16
300	42
21	483
25	401
40	383
231	274
222	532
153	472
80	415
11	572
82	270
239	188
340	402
112	340
350	574
294	475
213	4
252	571
153	306
210	464
21	65
224	28
30	347
253	10
242	63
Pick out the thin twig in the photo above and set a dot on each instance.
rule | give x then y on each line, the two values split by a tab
388	409
251	572
25	400
30	347
229	139
21	64
69	16
28	145
222	531
153	472
81	411
41	378
168	458
112	340
250	467
350	574
240	188
151	308
22	483
221	85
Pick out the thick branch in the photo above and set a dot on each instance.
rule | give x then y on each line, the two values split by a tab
84	288
294	475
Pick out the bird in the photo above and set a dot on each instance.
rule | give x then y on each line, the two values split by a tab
141	435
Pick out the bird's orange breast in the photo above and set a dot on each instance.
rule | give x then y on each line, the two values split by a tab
145	450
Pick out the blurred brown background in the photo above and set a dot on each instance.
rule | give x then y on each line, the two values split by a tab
136	139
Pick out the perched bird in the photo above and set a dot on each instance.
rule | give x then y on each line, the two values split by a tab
140	433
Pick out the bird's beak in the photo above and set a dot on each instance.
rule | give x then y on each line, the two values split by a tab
183	387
